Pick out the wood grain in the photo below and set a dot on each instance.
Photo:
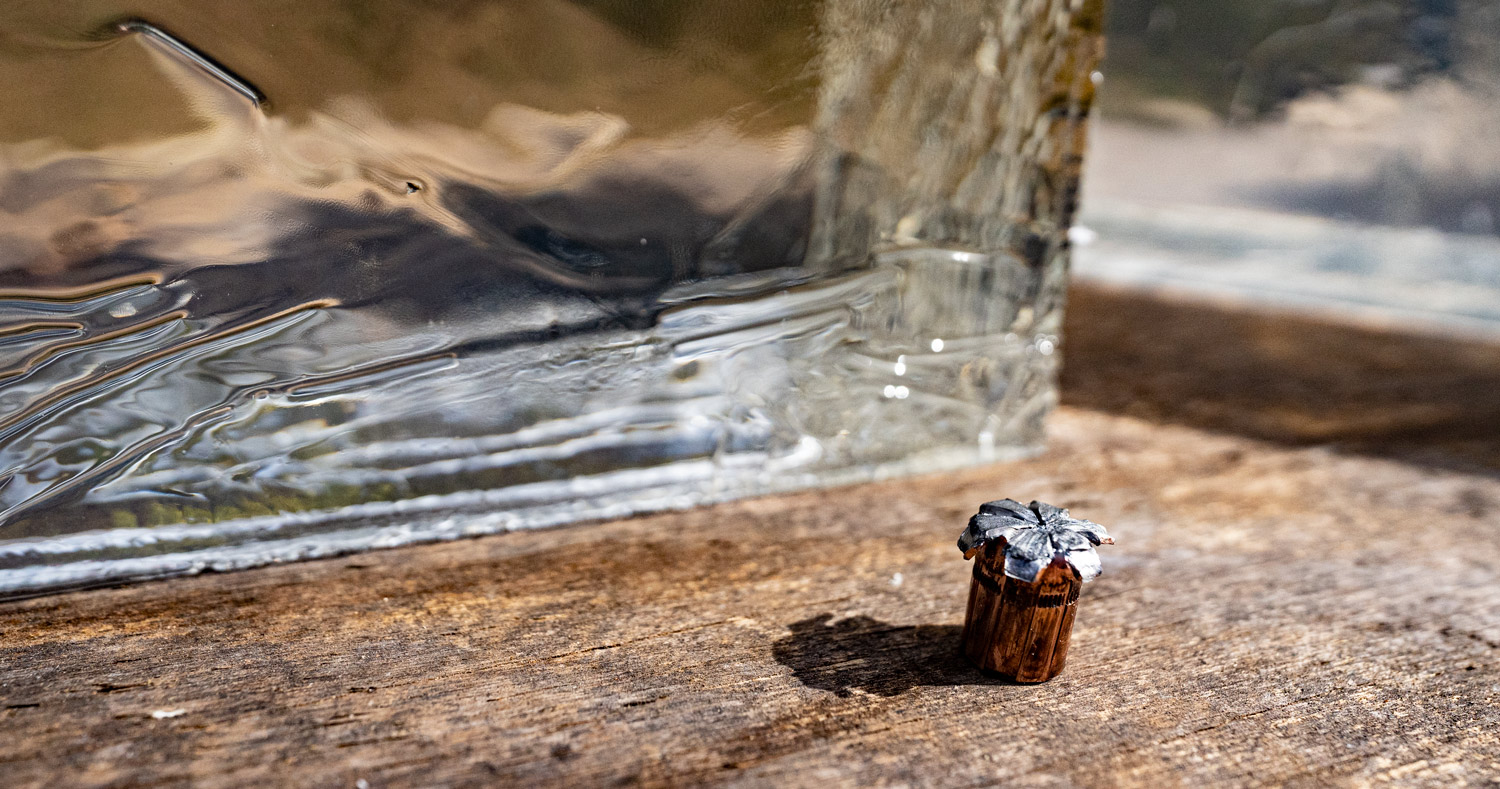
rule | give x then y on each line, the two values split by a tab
1270	616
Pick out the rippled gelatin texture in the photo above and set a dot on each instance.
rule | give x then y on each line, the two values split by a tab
278	287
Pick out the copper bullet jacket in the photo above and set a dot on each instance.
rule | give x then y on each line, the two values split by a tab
1030	564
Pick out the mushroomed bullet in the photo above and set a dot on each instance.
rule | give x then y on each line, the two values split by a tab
1031	564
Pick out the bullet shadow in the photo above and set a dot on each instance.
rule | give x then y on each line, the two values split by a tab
866	654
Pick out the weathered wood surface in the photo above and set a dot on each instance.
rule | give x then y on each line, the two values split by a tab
1270	616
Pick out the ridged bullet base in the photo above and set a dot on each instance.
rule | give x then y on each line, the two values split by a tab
1016	629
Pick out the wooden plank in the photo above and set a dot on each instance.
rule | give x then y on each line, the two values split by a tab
1270	615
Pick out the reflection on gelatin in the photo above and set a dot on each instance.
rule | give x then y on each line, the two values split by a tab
154	35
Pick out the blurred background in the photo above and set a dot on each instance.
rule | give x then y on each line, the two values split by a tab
1300	200
1334	154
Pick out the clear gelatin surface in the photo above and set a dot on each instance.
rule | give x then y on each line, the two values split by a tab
281	283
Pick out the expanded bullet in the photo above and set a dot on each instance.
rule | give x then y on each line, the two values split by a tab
1030	564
